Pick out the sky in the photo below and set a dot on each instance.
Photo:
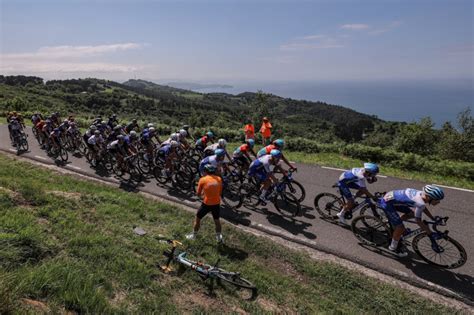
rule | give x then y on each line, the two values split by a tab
221	41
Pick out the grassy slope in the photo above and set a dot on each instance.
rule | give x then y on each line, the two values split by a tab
69	244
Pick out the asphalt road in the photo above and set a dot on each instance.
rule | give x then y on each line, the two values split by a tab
458	205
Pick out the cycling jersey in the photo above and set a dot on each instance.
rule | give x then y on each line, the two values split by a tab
40	124
93	140
351	179
210	160
202	141
210	149
261	168
35	119
239	152
130	127
165	150
266	150
405	201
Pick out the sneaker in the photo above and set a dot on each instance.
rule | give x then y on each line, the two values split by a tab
219	238
191	236
342	220
400	252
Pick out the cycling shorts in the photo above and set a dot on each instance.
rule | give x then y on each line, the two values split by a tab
260	174
345	189
391	209
205	209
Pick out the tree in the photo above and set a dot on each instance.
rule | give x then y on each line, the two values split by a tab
419	138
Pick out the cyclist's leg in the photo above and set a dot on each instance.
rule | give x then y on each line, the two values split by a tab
349	198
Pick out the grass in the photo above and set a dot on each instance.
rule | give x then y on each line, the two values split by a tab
68	245
344	162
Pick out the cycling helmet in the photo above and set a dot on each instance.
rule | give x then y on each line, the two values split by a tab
265	119
134	121
97	132
73	124
186	127
219	152
209	168
133	133
103	122
114	116
93	127
174	144
117	128
372	168
65	121
48	121
434	192
210	134
151	129
150	125
183	133
120	137
56	130
279	143
222	143
174	137
250	142
275	153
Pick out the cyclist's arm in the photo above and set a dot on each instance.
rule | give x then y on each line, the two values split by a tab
286	161
420	222
364	191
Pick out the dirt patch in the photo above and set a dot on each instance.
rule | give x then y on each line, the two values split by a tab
189	300
68	195
286	268
118	298
18	199
36	305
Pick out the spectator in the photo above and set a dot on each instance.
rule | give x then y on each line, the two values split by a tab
210	188
249	130
266	131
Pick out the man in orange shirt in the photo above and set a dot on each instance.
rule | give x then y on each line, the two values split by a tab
210	188
266	131
249	130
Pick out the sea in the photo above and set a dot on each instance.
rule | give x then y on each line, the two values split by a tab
408	101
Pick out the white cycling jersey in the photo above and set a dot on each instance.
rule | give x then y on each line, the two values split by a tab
94	140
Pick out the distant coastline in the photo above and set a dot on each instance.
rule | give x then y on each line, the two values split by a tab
197	86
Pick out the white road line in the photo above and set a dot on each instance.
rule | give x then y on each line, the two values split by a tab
40	157
74	167
13	150
382	176
456	188
332	168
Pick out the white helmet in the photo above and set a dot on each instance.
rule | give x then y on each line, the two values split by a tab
150	125
222	143
183	133
151	129
174	144
174	136
93	127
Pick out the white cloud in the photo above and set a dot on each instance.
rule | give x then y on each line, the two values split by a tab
66	59
355	27
305	46
389	27
312	37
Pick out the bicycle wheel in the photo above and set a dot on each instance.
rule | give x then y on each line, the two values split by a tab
63	154
371	230
231	196
453	254
183	180
235	279
373	210
328	205
24	145
82	147
143	163
35	132
249	193
296	189
158	173
287	203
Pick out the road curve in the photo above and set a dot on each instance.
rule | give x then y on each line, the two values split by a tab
311	230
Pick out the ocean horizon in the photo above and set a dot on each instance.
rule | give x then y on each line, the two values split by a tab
389	100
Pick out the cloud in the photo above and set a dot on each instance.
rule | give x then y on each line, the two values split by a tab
355	27
306	46
66	58
389	27
312	37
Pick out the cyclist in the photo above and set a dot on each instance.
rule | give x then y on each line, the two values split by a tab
132	141
182	139
168	154
202	142
210	188
262	170
186	128
278	144
54	138
88	134
36	118
95	142
220	144
355	179
117	130
112	121
147	142
216	160
120	149
412	203
15	128
46	131
241	154
173	137
133	125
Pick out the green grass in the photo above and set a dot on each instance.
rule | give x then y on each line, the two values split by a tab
340	161
69	244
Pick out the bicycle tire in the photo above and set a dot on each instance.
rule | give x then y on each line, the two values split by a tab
63	154
249	195
328	208
143	164
290	186
24	145
235	279
232	197
183	180
376	211
444	243
374	234
286	202
158	175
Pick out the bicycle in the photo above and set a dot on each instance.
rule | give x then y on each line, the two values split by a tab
20	142
294	187
284	201
57	151
439	250
329	205
206	271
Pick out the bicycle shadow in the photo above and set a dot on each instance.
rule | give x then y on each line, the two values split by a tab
458	282
305	212
291	225
232	253
235	216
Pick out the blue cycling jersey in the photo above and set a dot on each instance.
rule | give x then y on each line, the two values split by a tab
409	197
355	175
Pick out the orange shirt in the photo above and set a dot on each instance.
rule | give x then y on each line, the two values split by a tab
265	130
249	130
211	187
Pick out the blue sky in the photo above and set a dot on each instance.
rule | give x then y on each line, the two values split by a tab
238	40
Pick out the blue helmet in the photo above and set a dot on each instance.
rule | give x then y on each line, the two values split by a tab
279	143
372	168
209	168
56	130
434	192
251	142
210	134
275	153
219	152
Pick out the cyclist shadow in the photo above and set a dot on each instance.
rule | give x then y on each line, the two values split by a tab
235	216
455	281
290	224
305	212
